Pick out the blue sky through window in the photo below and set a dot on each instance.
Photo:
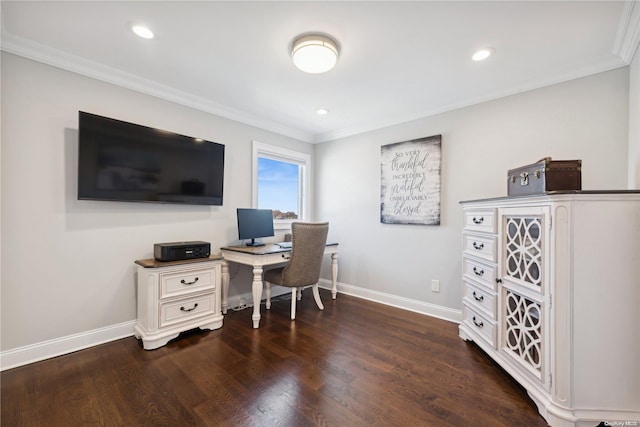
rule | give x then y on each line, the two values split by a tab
278	185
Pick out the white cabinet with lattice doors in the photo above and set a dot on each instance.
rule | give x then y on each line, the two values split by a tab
524	314
551	292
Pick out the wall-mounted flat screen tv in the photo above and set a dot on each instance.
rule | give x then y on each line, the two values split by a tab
122	161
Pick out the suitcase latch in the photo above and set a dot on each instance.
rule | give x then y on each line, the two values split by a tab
524	177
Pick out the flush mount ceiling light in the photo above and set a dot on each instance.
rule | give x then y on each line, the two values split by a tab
142	31
322	111
483	54
314	53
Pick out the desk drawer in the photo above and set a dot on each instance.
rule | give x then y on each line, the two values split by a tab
186	309
274	259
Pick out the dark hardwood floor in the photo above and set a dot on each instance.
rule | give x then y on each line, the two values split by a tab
357	363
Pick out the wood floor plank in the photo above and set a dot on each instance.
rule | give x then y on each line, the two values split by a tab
357	363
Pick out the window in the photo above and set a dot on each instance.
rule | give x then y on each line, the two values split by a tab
281	183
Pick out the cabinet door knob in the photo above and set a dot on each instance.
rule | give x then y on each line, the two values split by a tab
498	280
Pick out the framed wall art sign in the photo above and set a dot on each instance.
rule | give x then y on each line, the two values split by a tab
410	182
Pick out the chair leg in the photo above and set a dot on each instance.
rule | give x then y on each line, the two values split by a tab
293	303
267	293
299	293
316	296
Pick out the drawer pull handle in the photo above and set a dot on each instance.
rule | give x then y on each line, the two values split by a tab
189	309
478	220
286	256
478	246
478	324
478	272
188	283
478	298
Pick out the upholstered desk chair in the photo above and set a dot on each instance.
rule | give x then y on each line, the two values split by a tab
303	269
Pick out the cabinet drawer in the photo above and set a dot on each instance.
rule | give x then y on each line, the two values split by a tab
186	282
479	323
480	220
186	309
483	273
481	299
481	246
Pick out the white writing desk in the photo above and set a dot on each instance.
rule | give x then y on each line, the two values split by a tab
258	257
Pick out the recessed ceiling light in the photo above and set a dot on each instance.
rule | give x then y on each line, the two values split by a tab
483	54
142	31
322	111
314	54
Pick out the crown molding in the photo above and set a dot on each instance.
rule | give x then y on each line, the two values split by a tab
627	41
606	64
628	36
66	61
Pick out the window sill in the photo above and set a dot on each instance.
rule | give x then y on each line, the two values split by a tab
284	224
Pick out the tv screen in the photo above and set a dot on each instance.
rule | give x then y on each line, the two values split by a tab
127	162
254	223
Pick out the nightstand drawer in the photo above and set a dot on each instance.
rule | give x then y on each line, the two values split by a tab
185	282
480	220
481	299
481	246
186	309
483	273
480	324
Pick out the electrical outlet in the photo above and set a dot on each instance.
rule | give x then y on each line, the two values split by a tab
435	285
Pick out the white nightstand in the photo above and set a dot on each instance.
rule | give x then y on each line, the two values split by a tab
177	296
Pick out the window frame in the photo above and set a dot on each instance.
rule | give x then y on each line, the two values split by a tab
290	156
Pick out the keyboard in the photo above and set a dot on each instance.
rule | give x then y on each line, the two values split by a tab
285	245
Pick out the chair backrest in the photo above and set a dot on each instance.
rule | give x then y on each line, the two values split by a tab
308	244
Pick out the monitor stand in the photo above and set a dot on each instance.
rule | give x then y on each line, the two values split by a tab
254	243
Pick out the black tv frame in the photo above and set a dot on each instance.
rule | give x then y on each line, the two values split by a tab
123	161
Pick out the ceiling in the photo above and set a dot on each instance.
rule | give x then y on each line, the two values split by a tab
399	61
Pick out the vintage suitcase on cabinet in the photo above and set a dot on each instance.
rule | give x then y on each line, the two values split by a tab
545	175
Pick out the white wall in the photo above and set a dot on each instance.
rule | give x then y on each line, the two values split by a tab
67	265
634	123
581	119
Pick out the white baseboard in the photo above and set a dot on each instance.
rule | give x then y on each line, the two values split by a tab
56	347
242	301
421	307
64	345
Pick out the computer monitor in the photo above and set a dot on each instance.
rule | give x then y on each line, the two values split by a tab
254	223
